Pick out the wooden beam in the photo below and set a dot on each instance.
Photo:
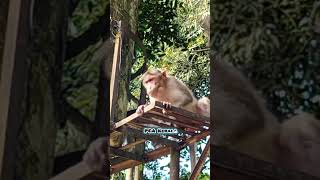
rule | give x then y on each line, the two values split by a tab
128	146
197	118
132	117
75	172
115	74
12	83
117	160
173	120
150	156
197	169
127	155
195	138
174	163
138	134
7	67
193	158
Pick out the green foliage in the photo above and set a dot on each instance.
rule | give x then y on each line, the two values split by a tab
79	83
156	25
86	13
272	40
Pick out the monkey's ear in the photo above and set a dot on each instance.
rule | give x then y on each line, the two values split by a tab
164	73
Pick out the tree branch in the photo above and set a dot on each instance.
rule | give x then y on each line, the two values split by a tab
81	122
131	97
141	70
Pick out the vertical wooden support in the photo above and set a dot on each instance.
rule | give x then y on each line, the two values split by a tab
193	158
197	169
115	72
13	76
129	174
7	69
174	163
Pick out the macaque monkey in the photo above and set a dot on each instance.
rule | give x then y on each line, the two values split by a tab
299	144
168	89
243	123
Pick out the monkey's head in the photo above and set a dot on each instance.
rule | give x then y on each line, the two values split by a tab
153	79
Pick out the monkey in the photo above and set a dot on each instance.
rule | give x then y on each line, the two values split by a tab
299	143
168	89
243	123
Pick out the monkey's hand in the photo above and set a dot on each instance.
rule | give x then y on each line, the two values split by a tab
166	105
95	156
140	110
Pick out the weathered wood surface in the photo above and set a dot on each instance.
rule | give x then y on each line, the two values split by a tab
175	116
197	169
230	165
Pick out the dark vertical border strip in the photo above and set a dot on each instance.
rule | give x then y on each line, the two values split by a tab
19	78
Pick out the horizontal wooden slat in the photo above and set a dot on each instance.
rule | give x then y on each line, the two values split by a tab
132	117
149	156
127	155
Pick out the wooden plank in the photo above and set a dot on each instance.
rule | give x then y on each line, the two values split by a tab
150	156
132	117
7	67
75	172
177	114
195	138
128	146
178	122
115	74
174	164
127	155
138	134
197	169
142	120
117	160
185	113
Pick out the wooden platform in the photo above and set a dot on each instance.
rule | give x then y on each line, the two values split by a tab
191	127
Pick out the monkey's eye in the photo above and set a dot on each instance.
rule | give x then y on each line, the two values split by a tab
149	80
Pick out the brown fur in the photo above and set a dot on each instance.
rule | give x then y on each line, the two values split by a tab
242	122
168	89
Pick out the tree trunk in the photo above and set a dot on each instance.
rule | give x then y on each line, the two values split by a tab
41	105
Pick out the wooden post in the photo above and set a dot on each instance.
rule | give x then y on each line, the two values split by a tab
6	71
174	163
115	72
193	158
197	169
13	76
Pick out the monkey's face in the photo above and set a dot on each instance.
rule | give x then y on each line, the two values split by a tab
151	83
153	80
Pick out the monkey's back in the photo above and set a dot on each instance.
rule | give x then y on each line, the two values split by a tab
240	118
